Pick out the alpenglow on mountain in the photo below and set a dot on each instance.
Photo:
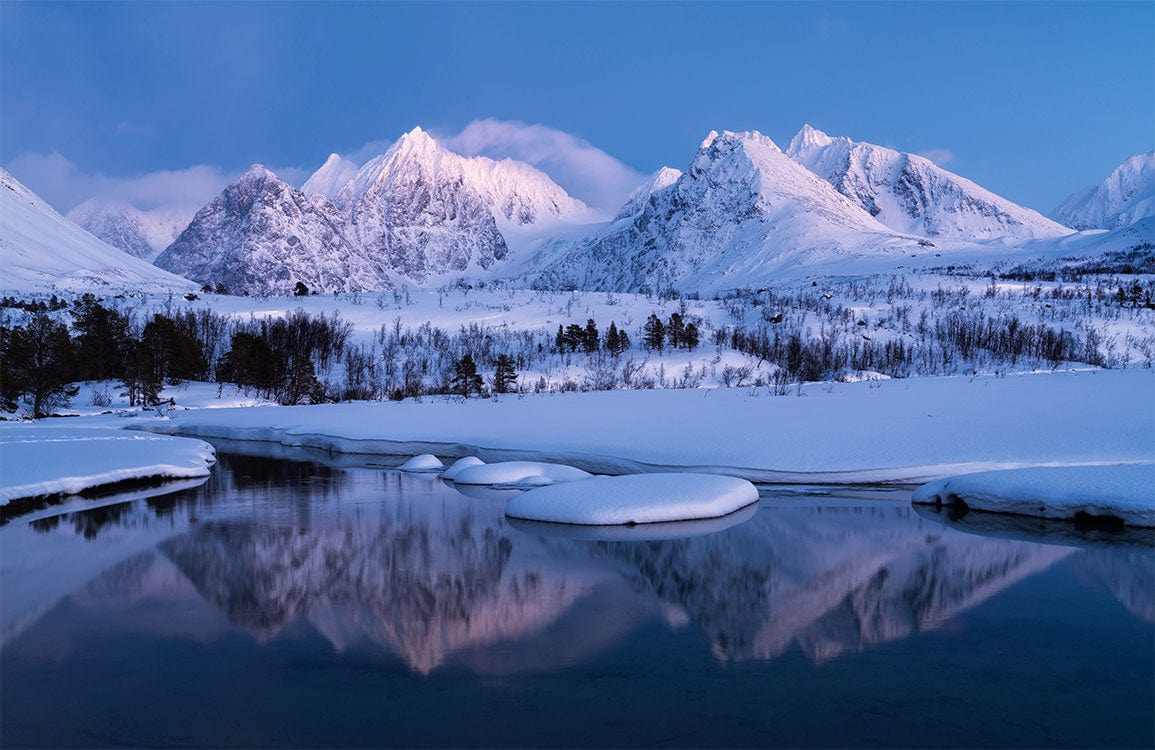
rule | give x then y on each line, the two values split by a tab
417	213
740	214
262	236
1125	197
913	195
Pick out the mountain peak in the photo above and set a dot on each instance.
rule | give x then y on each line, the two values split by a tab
333	175
1125	197
258	172
807	138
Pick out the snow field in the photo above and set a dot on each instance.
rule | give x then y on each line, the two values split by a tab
896	431
634	499
1123	491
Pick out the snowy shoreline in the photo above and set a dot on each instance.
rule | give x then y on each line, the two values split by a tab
38	462
1092	494
897	432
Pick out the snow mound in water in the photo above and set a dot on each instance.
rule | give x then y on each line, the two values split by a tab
517	472
1123	491
635	499
460	465
647	532
424	462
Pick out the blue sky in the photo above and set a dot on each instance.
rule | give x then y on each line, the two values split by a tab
1031	100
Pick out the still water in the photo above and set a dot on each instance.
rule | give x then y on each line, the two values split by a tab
289	602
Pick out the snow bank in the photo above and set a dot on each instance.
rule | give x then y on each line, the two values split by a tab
424	462
459	465
37	461
1126	492
519	473
635	499
899	431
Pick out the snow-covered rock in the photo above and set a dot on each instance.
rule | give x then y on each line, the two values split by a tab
424	462
1125	197
659	181
330	177
41	251
741	213
634	499
461	465
1122	491
37	461
912	194
144	234
262	236
515	472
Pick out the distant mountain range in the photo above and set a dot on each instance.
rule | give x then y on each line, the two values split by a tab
742	212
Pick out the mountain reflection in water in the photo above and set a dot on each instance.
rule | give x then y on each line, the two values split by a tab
402	564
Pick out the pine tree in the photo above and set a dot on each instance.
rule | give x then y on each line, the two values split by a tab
102	339
560	340
613	341
590	337
623	341
676	330
574	336
505	377
654	333
691	338
465	377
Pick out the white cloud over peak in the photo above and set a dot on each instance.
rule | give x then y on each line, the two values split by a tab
584	170
940	156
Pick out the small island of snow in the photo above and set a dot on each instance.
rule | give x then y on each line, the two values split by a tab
460	465
523	473
1121	491
424	462
635	499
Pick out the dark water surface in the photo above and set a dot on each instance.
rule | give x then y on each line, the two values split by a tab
289	603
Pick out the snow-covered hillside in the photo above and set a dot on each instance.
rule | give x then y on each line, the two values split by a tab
262	236
41	251
1124	198
144	234
912	194
742	213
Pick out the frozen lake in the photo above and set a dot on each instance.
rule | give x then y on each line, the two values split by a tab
293	603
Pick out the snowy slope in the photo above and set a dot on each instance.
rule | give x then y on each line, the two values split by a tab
742	213
328	180
262	236
144	234
1124	198
41	251
913	195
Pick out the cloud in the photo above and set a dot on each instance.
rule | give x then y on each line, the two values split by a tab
940	156
60	182
584	170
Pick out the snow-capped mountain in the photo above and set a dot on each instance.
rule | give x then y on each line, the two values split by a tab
430	213
328	180
741	213
41	251
1124	198
912	194
144	234
262	236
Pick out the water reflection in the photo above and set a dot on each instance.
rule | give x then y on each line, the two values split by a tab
391	563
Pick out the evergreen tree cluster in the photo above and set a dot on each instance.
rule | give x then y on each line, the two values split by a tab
587	339
675	331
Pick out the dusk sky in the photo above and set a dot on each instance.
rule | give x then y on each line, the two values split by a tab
1032	100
